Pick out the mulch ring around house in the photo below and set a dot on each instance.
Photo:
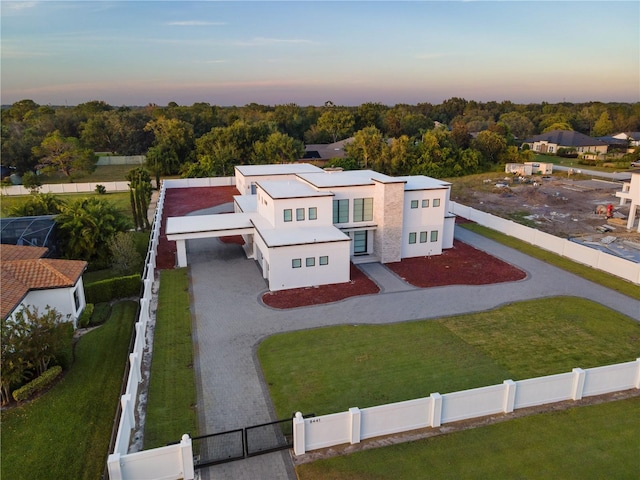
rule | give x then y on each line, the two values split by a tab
460	265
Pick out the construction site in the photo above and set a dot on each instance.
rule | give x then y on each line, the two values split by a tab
583	209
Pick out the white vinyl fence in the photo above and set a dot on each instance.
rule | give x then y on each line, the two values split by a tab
61	188
606	262
357	424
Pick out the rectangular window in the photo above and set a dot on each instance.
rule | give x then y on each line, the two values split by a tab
363	209
311	261
288	215
299	214
423	237
313	213
412	237
341	211
296	263
425	203
360	242
324	260
436	202
414	203
434	235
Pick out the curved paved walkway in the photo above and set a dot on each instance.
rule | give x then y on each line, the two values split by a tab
230	320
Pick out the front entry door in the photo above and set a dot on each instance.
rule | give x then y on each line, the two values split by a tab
360	243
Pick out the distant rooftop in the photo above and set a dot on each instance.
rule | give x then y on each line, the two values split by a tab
280	169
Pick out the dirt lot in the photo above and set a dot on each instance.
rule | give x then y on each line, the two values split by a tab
562	206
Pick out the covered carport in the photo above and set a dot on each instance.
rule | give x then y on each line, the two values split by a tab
181	229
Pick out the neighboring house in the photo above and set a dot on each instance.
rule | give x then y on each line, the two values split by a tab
319	154
304	225
30	280
632	138
550	142
631	191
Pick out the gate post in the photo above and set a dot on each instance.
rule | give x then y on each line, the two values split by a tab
298	434
186	453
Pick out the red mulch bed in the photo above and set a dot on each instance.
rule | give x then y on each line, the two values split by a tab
460	265
360	284
237	239
179	202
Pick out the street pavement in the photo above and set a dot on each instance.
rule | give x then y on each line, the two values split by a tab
230	320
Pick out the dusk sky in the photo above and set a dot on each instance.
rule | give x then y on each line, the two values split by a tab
235	53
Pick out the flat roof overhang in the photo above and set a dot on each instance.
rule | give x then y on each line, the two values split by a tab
209	226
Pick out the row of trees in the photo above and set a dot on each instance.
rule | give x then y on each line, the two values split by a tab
204	139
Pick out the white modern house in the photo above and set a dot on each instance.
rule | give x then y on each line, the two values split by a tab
304	225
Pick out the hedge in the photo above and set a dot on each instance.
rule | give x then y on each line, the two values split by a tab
37	385
85	317
113	289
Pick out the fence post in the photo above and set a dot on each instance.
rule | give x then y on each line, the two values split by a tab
509	396
186	453
578	383
298	434
435	416
354	416
637	382
115	469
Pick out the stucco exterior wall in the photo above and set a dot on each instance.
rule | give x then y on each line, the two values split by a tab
62	299
423	219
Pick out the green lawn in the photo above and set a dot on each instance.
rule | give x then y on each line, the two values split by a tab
172	391
589	442
102	173
328	370
65	433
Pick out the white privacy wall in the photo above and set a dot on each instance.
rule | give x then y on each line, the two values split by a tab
606	262
433	411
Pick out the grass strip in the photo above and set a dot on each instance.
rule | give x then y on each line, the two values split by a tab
172	391
328	370
587	442
589	273
65	433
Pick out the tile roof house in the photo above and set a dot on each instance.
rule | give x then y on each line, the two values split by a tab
550	142
304	225
28	279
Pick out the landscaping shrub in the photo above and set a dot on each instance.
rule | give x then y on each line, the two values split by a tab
101	189
101	312
37	385
113	289
85	318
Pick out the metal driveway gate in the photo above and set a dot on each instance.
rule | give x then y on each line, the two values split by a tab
242	443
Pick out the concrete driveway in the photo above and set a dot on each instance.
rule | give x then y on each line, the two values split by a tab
229	321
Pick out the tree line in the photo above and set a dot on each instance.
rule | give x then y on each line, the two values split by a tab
208	140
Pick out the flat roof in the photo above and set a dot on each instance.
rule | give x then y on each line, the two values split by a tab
422	182
289	189
298	236
347	178
279	169
208	223
247	203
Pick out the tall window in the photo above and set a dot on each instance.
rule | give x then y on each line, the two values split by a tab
412	237
436	202
434	235
363	209
288	215
423	237
341	211
313	213
359	243
299	214
414	203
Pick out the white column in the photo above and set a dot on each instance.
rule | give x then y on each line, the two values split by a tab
186	452
354	414
436	410
578	383
298	434
182	252
509	396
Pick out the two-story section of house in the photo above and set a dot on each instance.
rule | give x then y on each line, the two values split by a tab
308	218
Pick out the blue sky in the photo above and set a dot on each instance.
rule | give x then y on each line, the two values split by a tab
235	53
